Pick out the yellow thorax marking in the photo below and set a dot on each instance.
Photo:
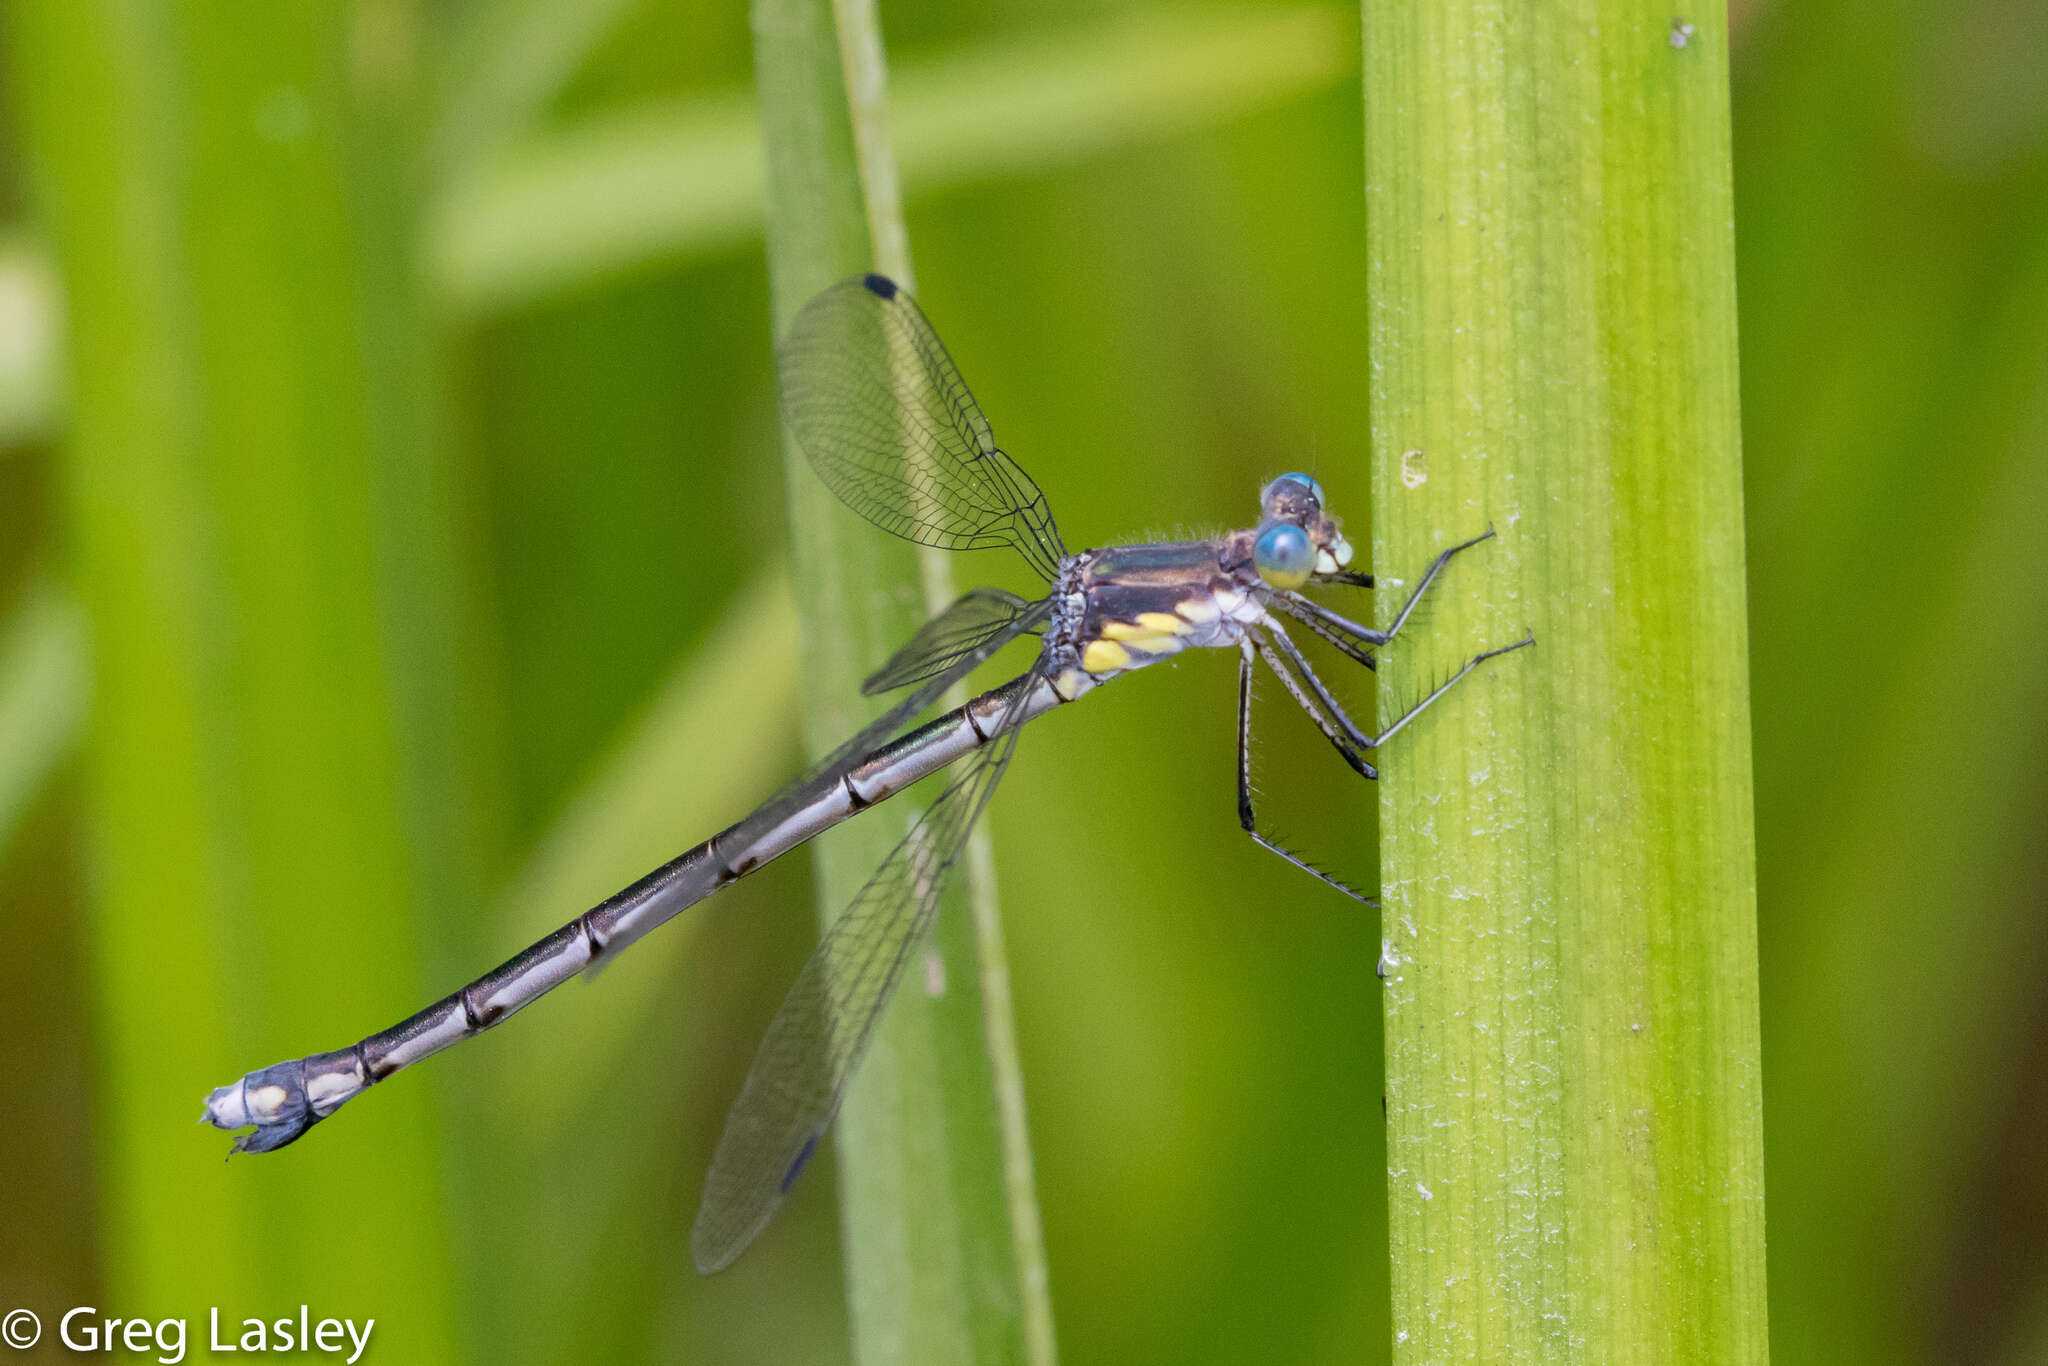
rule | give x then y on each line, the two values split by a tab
1104	657
1148	626
1153	633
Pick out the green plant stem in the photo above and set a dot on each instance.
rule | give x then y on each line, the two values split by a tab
249	500
1575	1145
941	1236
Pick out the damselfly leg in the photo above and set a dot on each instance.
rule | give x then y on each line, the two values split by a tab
1246	817
1272	645
1309	610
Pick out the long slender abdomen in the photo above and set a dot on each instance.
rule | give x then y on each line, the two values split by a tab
284	1100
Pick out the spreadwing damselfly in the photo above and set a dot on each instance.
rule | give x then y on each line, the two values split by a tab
886	421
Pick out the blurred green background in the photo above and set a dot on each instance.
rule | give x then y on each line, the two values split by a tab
391	547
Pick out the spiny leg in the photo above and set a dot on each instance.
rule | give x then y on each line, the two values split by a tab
1337	639
1327	710
1245	816
1335	710
1436	567
1365	633
1334	730
1375	741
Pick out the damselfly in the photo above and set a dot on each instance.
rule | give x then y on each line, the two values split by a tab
886	421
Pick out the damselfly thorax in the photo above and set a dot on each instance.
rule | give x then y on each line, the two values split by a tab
886	421
1120	609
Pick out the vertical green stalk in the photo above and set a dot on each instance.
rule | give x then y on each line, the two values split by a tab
1575	1144
942	1247
257	522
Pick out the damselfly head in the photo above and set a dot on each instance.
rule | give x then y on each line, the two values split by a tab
1297	539
1291	495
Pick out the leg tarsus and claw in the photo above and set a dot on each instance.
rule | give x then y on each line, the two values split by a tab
1436	567
1375	741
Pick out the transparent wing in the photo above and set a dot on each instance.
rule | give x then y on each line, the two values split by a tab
889	426
974	618
797	794
823	1026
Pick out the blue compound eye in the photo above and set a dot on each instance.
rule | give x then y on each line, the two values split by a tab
1284	555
